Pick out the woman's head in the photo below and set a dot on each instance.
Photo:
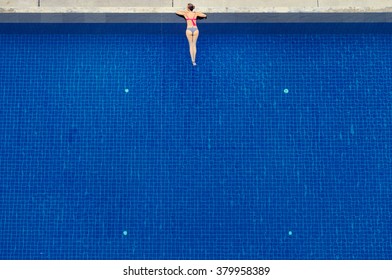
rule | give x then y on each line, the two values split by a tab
191	7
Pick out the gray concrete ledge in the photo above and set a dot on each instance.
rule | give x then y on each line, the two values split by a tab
206	9
170	17
216	4
218	11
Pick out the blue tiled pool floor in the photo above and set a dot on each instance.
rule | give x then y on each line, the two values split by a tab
276	146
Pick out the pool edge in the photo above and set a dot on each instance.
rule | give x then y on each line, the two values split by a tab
214	17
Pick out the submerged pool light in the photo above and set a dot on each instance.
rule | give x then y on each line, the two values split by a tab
286	90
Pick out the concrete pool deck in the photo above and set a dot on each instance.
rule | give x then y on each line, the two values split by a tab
219	11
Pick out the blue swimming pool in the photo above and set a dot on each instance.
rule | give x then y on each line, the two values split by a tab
278	145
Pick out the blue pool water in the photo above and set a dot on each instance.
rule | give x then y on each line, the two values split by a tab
276	146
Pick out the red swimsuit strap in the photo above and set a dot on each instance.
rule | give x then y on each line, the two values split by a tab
193	20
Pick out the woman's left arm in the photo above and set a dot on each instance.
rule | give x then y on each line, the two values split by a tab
180	13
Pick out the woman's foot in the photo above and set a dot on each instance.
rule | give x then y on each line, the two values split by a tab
194	63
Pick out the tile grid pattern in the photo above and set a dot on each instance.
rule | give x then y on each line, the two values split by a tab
102	134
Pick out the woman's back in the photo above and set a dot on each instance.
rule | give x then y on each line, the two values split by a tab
191	18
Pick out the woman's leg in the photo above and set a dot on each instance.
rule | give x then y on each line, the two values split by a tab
189	36
195	36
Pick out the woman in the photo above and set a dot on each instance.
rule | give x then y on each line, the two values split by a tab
192	33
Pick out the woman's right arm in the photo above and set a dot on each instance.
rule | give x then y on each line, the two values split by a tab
180	13
198	14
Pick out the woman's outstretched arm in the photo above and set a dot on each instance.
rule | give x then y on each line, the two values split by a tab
180	13
201	15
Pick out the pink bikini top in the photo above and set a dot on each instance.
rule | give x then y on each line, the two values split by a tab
193	20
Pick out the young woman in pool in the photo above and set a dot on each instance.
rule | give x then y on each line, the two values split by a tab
192	33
